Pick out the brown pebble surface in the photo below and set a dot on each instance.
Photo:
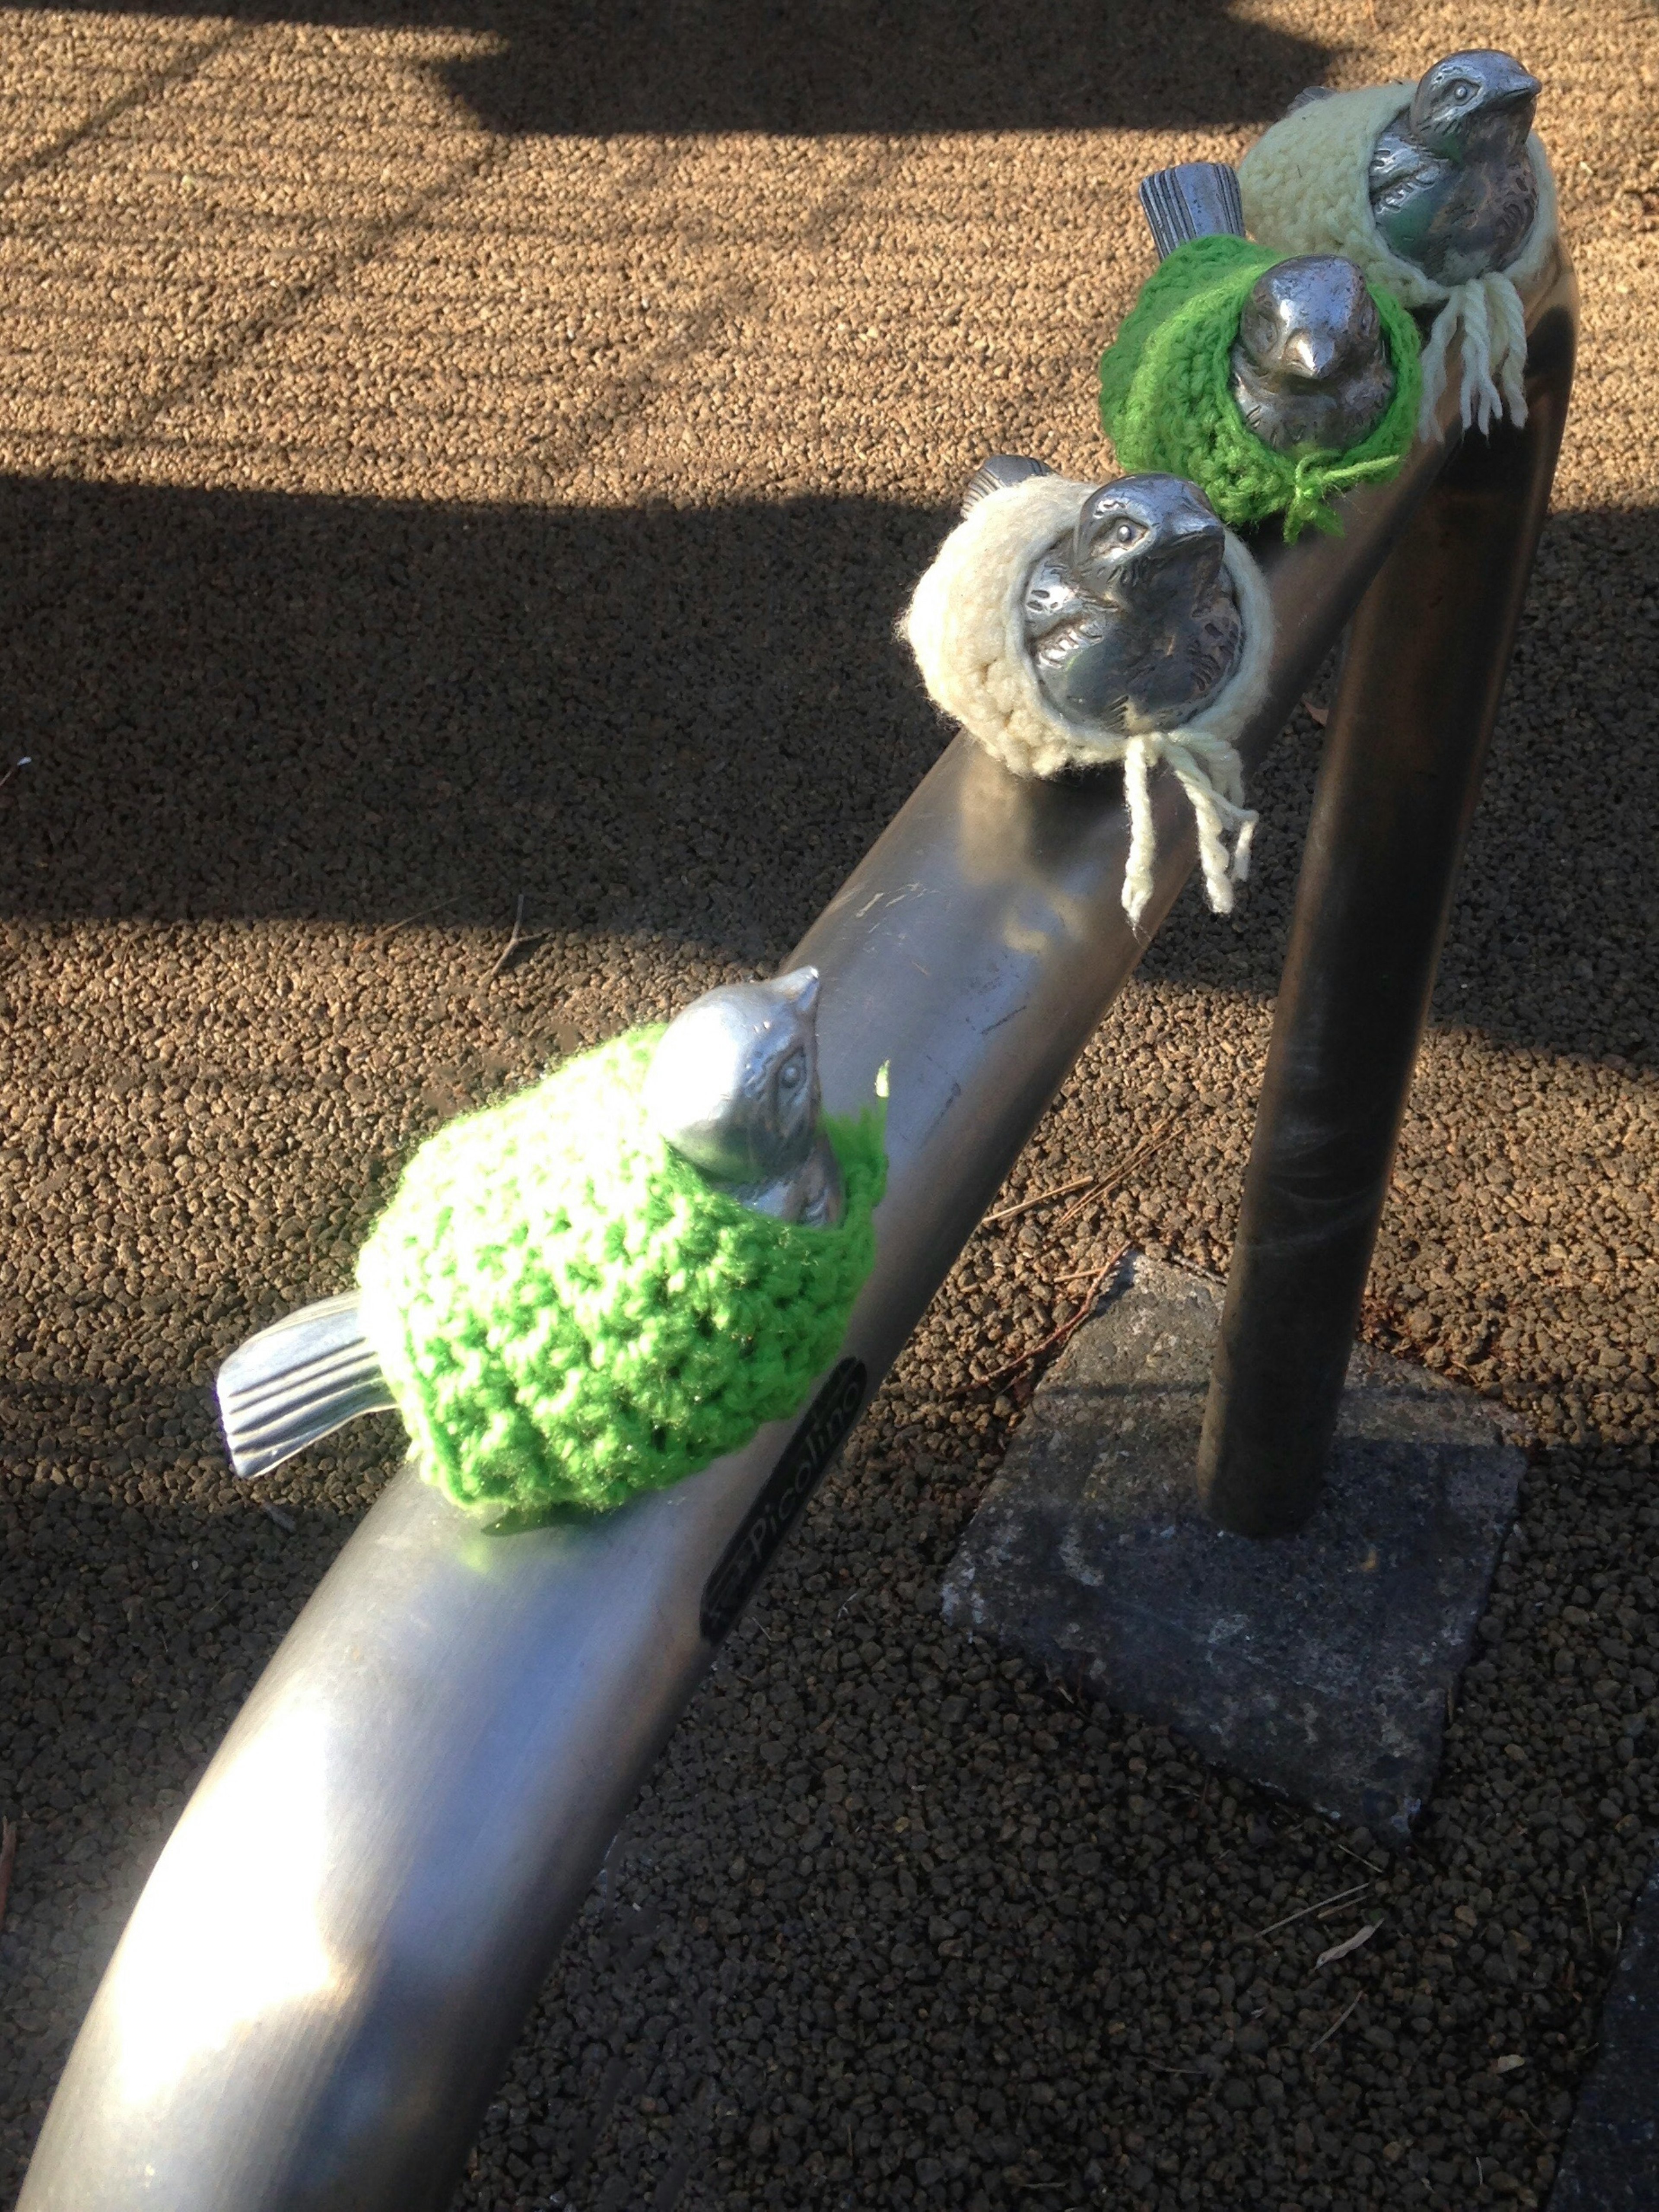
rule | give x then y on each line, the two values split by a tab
455	455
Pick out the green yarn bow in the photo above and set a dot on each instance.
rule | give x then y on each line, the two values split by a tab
567	1313
1317	477
1166	401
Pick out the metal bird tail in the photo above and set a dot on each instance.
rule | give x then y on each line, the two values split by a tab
997	474
1195	199
296	1381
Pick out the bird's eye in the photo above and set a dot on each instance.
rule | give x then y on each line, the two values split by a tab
793	1074
1125	533
1462	90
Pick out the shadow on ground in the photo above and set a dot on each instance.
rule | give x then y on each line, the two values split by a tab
887	67
1546	947
256	707
691	722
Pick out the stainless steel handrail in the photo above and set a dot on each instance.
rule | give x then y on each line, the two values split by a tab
318	1988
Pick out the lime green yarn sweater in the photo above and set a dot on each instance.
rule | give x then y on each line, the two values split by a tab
567	1312
1166	405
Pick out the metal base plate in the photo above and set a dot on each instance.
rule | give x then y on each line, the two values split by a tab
1611	2162
1318	1664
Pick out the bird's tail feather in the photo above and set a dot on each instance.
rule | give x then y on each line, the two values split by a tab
296	1381
1193	199
999	473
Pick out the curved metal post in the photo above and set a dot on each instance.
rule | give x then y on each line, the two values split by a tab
1421	679
318	1990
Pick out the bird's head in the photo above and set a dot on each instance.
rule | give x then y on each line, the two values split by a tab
733	1085
1144	537
1308	323
1471	100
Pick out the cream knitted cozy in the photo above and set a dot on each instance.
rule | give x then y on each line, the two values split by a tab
966	627
1306	190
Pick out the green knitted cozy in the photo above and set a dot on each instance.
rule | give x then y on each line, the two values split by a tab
567	1312
1166	404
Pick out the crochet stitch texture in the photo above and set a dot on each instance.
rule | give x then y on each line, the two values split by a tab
567	1313
965	624
1305	186
1166	400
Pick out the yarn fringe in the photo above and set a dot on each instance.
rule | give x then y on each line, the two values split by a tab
1488	315
1211	774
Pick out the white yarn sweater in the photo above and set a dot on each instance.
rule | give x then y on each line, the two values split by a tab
1306	189
966	627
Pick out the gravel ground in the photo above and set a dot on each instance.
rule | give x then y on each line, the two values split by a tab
455	461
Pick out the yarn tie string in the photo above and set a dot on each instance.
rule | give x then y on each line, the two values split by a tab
1211	774
1487	315
1317	475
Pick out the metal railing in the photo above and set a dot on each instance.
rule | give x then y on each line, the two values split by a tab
320	1985
1404	751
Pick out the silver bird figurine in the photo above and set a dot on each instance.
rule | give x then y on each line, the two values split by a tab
1310	371
1131	619
733	1086
1452	189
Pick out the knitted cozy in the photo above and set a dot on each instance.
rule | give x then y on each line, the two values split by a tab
1306	190
567	1313
1166	399
966	627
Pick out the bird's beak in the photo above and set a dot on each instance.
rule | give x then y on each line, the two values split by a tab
802	986
1518	92
1309	355
1185	534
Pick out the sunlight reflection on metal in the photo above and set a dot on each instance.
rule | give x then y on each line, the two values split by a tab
227	1929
